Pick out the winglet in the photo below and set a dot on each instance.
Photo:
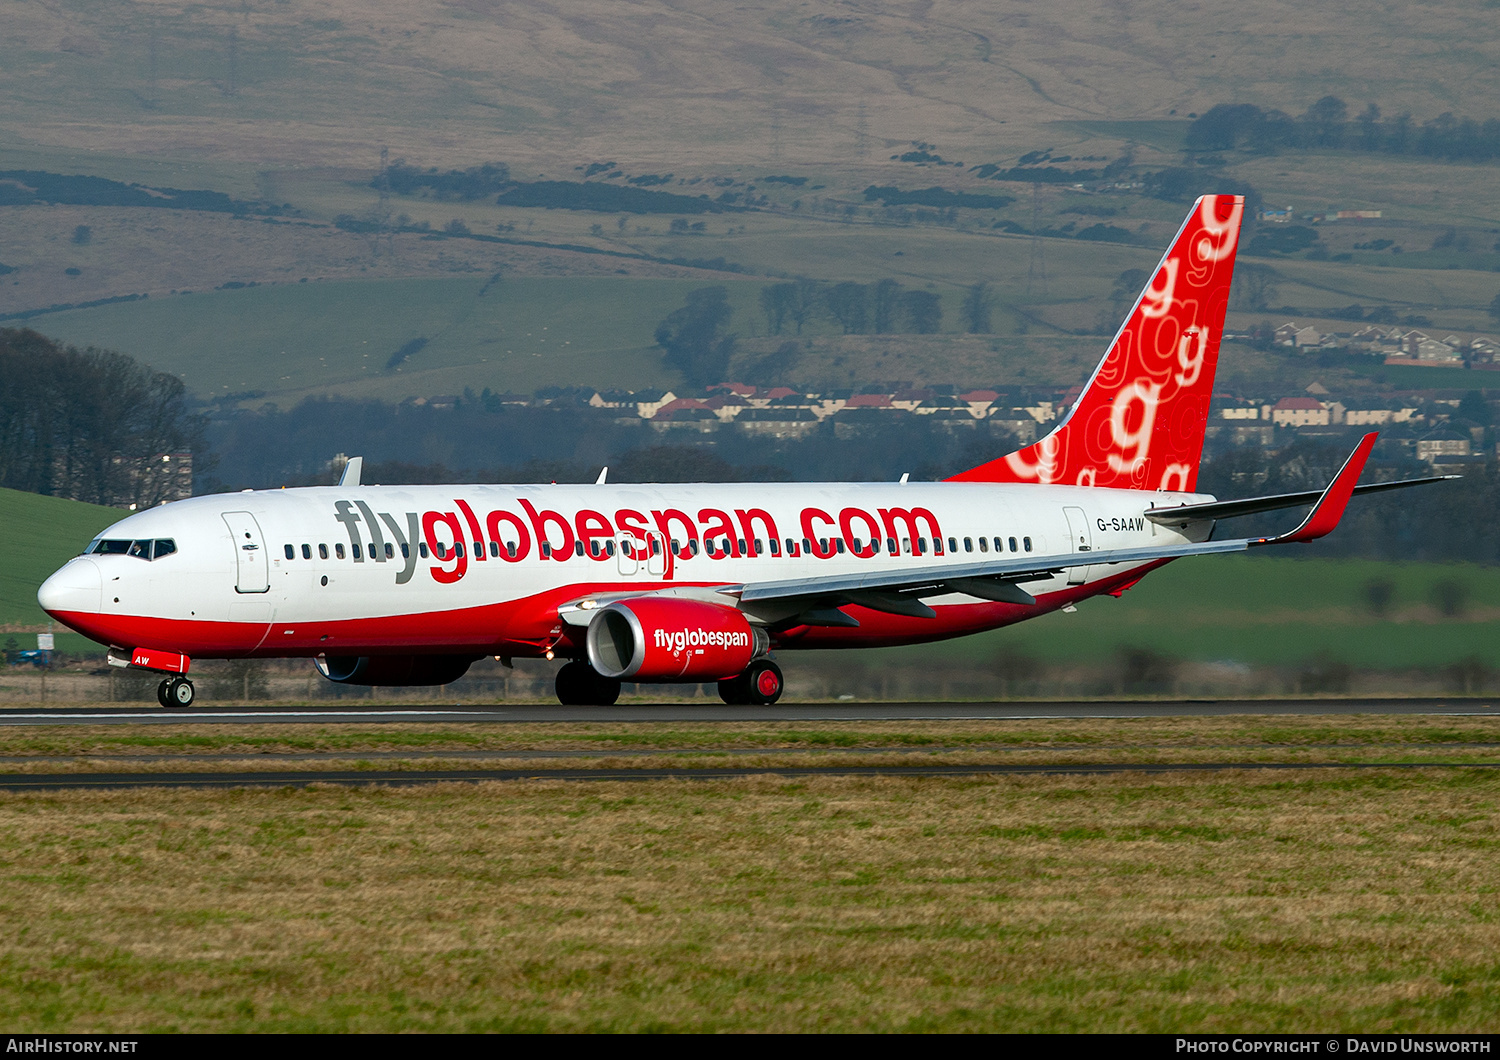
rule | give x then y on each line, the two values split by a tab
1329	509
351	471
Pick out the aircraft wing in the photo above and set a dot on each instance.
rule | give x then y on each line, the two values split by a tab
816	600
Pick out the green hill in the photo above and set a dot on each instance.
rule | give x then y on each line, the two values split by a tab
42	533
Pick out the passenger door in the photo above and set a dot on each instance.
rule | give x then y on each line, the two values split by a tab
252	566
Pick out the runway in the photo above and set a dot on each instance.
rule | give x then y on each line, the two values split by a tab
711	712
408	778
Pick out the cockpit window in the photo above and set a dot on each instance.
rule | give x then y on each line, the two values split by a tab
139	549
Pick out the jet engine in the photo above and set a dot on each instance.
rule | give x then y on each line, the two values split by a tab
653	638
391	670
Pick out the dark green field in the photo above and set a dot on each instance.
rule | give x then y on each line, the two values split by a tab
43	532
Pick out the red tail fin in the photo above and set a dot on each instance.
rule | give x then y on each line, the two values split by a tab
1139	422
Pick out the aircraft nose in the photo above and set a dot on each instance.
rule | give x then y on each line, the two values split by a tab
78	586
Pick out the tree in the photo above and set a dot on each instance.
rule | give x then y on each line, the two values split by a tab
805	297
1223	127
694	337
885	299
977	305
1475	409
91	424
776	303
850	305
924	310
1325	121
1253	287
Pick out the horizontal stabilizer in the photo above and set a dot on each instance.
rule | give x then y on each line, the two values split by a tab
1253	505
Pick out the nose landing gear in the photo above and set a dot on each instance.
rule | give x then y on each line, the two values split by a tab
175	692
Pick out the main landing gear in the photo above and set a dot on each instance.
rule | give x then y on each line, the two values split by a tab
580	685
760	685
175	692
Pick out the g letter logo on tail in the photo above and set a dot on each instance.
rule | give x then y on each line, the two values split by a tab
1142	416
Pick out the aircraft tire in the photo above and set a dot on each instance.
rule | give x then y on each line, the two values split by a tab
763	683
180	692
735	690
579	685
162	690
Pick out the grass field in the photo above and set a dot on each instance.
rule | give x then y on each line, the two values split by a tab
1239	901
43	533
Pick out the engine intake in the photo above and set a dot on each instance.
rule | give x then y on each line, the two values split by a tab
663	639
394	670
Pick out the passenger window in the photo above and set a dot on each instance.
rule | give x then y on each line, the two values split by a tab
439	550
839	544
984	545
890	545
743	550
823	545
578	548
458	549
357	554
421	550
775	546
807	544
307	552
922	545
906	546
291	553
546	549
495	549
390	552
953	544
692	546
609	548
655	546
338	550
968	544
405	551
510	547
856	546
163	547
323	551
1012	543
791	547
676	547
874	546
1027	542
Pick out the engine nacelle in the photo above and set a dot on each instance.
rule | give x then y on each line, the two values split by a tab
652	638
392	670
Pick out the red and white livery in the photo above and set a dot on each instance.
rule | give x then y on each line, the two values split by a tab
399	585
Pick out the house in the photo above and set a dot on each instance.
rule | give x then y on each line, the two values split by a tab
1292	334
777	422
1300	412
1441	443
649	402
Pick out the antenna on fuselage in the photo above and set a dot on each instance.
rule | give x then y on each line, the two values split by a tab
904	476
352	469
603	474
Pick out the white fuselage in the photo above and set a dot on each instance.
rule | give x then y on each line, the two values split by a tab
483	568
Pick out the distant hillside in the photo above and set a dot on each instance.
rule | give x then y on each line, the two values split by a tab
327	83
41	534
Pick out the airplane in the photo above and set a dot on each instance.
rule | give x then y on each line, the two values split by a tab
409	585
